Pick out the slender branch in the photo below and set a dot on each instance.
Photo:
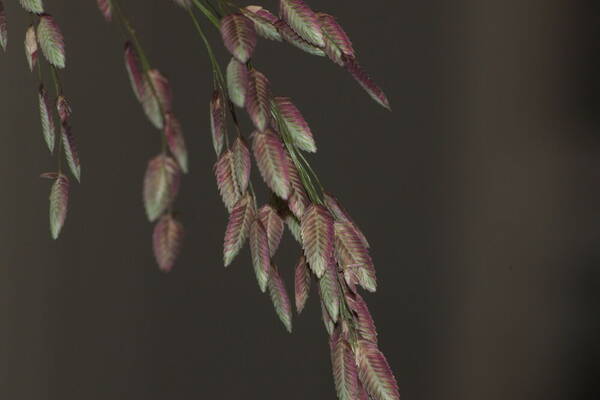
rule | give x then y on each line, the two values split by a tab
217	73
58	91
212	16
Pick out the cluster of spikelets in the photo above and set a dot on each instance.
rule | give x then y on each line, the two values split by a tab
163	173
334	250
44	36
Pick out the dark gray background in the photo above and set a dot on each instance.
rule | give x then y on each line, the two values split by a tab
479	194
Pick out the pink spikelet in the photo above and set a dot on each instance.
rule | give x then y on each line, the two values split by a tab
167	240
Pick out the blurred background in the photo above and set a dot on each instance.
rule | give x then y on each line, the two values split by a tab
480	195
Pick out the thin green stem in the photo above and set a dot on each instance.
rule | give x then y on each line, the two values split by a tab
211	15
307	175
217	73
58	92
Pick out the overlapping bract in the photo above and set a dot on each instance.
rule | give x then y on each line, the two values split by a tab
51	41
345	374
48	129
280	298
134	71
375	372
242	163
351	253
31	47
299	130
241	217
175	141
59	202
258	99
337	43
330	291
273	224
217	121
303	20
264	22
272	162
161	184
301	283
261	257
318	238
239	36
367	83
151	88
293	38
226	180
167	239
237	82
70	149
